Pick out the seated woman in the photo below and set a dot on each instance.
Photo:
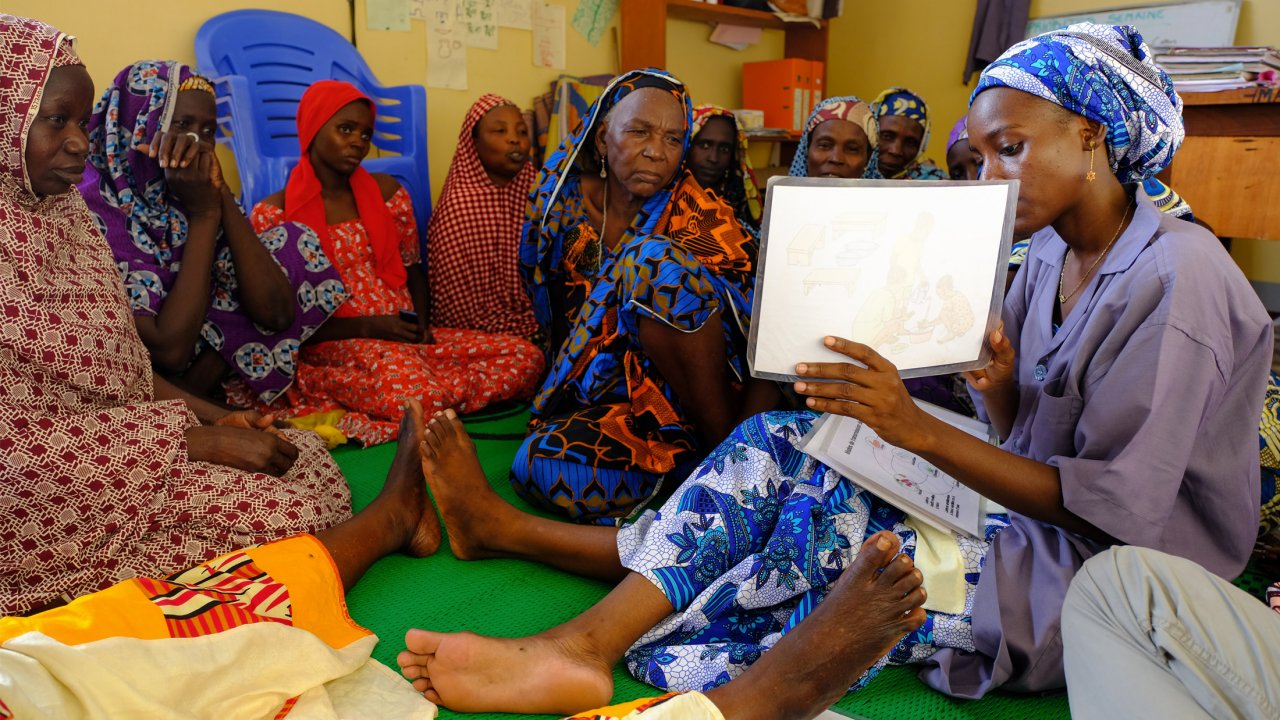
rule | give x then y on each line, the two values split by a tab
960	162
719	162
643	282
378	347
111	472
473	240
1128	408
839	140
903	118
208	295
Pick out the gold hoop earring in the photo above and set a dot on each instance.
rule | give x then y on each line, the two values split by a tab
1091	176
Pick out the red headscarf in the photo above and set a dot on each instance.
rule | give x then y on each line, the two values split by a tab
303	202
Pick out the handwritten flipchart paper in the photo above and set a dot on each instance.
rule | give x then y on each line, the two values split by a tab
446	45
548	35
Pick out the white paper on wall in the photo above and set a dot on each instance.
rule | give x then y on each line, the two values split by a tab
446	46
548	35
482	24
514	14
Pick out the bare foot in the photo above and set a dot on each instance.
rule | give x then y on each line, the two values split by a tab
472	673
469	507
405	492
874	603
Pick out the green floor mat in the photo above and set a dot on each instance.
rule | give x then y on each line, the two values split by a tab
511	598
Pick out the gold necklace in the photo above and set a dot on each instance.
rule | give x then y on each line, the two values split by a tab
1062	299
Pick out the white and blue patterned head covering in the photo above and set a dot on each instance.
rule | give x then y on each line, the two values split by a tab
1105	73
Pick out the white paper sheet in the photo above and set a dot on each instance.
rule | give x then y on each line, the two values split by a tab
915	270
387	15
482	24
548	35
446	46
514	14
903	479
418	9
592	18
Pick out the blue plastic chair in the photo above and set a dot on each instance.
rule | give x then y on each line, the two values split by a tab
262	61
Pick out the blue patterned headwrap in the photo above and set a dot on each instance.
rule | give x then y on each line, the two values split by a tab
902	102
1105	73
843	107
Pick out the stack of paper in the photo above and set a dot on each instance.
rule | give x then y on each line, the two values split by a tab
1221	68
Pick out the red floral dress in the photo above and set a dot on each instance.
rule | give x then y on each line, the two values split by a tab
464	369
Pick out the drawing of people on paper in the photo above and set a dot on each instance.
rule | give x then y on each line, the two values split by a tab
910	471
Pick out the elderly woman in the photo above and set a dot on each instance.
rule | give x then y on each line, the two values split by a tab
719	162
1126	382
642	281
209	296
903	120
111	472
839	140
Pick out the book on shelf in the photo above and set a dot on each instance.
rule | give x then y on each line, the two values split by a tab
900	478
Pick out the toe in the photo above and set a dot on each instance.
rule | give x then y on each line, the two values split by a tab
875	552
422	642
899	568
909	582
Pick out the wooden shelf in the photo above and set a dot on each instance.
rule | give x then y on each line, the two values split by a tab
1259	94
702	12
643	30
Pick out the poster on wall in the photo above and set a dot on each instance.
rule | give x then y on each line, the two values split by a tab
548	35
1184	23
446	45
593	17
387	15
482	24
514	14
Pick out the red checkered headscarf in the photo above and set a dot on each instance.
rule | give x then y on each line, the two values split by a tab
473	241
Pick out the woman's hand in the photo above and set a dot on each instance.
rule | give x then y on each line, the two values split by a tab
191	170
250	450
251	420
999	373
393	328
873	394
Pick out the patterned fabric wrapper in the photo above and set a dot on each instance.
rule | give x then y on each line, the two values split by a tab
606	425
147	229
744	194
844	107
1107	74
98	480
473	241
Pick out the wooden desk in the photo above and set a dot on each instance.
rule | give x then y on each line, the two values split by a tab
1228	168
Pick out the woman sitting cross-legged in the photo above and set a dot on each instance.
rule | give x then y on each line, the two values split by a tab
111	472
377	348
719	162
1126	383
209	296
642	281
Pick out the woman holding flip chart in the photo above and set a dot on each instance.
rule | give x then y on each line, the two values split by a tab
1126	386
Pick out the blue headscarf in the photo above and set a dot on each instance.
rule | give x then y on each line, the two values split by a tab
1105	73
844	107
902	102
